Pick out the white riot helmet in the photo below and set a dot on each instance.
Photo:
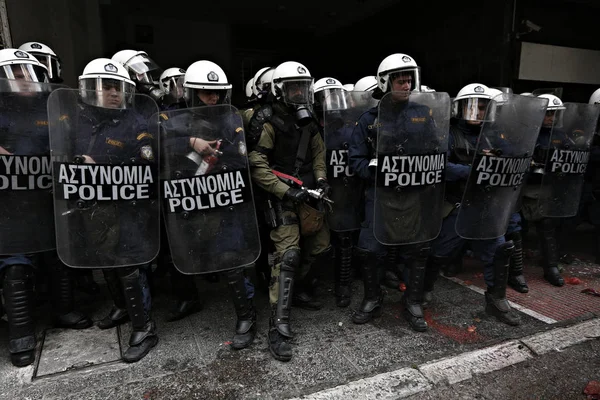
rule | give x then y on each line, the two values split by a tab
293	84
595	97
20	67
205	78
396	64
171	82
349	87
528	94
47	57
366	84
330	94
262	82
554	103
250	88
496	94
554	111
105	83
141	68
471	102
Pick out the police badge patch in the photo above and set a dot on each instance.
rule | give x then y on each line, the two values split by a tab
406	59
212	77
242	148
36	46
330	81
147	153
301	70
556	102
21	54
478	89
111	68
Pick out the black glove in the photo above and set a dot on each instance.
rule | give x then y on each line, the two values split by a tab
322	184
296	195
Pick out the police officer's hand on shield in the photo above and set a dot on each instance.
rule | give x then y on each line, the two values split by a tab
202	146
297	196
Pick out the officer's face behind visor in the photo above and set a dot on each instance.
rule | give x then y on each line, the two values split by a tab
298	92
143	69
209	97
174	86
402	82
550	118
472	110
107	93
23	78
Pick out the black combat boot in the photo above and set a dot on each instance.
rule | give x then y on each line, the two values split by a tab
118	314
143	338
413	296
245	329
186	293
280	333
343	270
373	299
432	272
304	291
18	301
495	296
549	249
516	280
390	274
65	315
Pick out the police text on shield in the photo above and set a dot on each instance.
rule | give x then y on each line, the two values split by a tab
105	182
25	172
501	171
421	170
569	161
204	192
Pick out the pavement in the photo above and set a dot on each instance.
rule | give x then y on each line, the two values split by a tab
554	353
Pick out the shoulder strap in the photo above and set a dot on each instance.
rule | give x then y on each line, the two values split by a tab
302	149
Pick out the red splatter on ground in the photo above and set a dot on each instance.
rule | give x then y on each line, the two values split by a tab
227	343
558	303
592	390
456	333
573	281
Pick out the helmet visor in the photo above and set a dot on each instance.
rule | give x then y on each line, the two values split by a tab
332	99
298	92
52	63
404	80
471	109
21	75
173	86
143	69
206	97
107	93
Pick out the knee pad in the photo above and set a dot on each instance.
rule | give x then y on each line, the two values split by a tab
291	259
18	272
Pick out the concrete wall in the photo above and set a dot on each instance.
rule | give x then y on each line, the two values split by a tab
71	28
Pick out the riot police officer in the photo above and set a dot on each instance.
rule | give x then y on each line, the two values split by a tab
397	74
290	143
209	120
24	133
545	227
469	108
106	112
144	72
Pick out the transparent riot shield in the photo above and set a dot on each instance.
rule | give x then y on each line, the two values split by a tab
105	177
207	198
567	159
26	216
500	165
340	119
412	142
